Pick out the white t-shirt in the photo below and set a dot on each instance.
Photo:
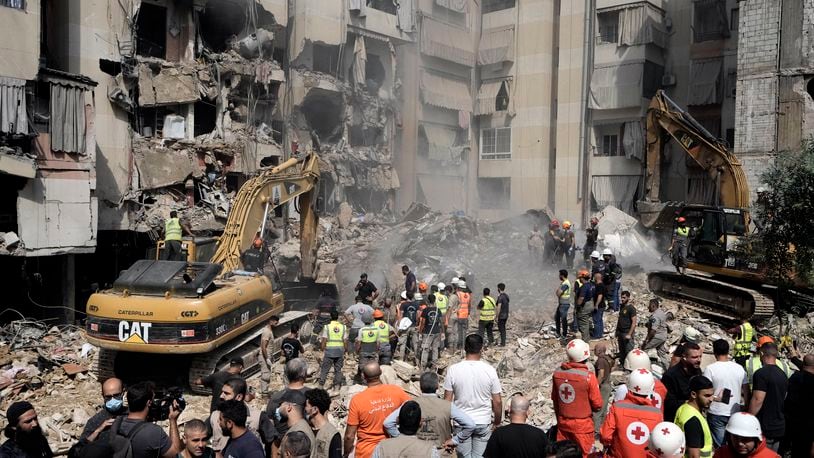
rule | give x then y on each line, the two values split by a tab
725	374
473	384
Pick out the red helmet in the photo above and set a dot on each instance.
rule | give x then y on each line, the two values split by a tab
554	222
681	219
594	220
257	243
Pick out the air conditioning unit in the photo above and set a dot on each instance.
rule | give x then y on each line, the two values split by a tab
668	80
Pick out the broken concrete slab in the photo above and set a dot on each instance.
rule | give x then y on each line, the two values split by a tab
167	86
160	167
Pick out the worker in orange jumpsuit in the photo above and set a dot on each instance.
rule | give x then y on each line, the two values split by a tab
626	430
638	359
576	396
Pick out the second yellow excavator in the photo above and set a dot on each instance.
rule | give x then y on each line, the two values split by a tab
185	319
721	280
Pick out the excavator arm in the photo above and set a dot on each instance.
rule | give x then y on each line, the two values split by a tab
297	177
665	117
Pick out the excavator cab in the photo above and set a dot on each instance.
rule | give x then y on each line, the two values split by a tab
195	249
715	233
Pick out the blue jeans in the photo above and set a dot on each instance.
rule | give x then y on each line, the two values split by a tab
617	290
717	427
476	444
599	325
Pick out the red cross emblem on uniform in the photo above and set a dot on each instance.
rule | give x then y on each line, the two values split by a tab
637	352
665	431
567	393
571	344
637	433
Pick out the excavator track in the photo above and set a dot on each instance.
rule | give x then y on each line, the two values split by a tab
711	297
247	346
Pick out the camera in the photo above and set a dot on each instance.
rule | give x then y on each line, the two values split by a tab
160	408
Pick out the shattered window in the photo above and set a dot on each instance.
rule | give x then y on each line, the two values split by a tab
494	192
608	27
18	4
710	20
496	143
496	5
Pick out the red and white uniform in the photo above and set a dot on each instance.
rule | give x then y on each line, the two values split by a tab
576	396
627	427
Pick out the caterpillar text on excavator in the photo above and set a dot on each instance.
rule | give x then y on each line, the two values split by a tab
721	281
188	318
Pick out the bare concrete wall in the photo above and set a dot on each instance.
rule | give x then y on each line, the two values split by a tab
20	41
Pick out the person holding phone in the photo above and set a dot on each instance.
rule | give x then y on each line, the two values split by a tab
728	379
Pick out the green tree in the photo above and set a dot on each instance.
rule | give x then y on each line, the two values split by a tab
785	210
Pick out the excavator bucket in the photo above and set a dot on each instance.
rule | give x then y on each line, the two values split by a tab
658	216
302	295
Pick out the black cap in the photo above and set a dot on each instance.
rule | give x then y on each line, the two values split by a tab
293	397
16	410
364	275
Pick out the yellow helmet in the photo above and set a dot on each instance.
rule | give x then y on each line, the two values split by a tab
566	224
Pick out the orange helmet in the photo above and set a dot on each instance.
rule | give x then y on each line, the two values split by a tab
422	287
257	243
566	224
681	219
378	314
583	274
764	340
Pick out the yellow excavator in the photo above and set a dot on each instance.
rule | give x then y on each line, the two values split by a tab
721	280
185	319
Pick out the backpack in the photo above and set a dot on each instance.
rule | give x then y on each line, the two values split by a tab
123	443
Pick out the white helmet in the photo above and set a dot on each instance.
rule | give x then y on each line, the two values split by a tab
417	297
461	284
455	281
578	351
657	371
607	252
405	323
404	295
637	359
667	440
692	334
744	425
594	254
441	286
641	382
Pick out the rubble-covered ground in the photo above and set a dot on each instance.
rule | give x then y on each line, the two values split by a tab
48	365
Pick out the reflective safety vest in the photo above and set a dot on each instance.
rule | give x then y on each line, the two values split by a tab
336	334
384	331
369	339
577	286
754	363
463	305
487	313
634	423
743	344
441	302
566	295
682	232
684	414
172	229
572	393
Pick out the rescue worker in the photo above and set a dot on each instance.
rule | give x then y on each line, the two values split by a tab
559	243
597	264
385	334
576	396
690	418
585	305
754	363
744	335
442	302
322	312
637	359
254	258
407	328
744	439
612	277
679	244
486	321
666	441
576	289
563	294
552	237
430	328
174	230
367	344
569	244
462	313
630	422
334	341
535	245
591	235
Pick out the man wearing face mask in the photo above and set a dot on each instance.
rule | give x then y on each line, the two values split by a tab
242	443
235	389
25	438
291	412
327	440
113	397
